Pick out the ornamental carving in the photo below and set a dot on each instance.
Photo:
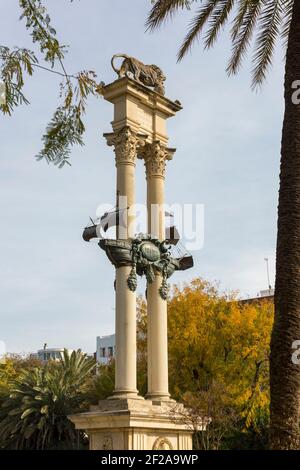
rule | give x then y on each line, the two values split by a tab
155	156
126	143
107	442
162	443
146	255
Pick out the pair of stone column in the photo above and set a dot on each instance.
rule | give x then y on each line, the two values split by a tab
128	146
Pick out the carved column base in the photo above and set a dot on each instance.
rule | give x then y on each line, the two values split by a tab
130	424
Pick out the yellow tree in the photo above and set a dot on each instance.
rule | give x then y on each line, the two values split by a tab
214	339
10	367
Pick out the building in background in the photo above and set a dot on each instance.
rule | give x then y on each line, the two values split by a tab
267	294
50	354
105	348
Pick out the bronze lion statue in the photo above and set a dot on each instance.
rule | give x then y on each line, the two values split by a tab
148	75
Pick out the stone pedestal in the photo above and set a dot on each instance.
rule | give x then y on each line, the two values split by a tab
134	424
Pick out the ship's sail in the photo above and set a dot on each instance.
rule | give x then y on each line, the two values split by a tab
118	217
171	232
107	220
113	218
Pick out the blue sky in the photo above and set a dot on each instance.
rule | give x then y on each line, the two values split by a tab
54	287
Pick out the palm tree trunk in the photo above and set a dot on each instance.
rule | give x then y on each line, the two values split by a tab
284	375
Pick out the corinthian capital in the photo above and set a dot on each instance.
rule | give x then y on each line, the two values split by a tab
155	156
126	143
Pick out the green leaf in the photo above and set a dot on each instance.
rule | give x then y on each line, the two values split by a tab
44	409
28	412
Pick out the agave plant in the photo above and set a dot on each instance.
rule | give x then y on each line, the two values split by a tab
34	414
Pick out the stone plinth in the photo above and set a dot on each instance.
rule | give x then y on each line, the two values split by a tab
134	424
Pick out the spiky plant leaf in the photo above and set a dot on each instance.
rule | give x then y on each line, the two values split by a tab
242	32
52	393
270	18
269	24
162	9
196	26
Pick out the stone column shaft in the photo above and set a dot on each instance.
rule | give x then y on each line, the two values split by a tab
125	361
125	142
155	160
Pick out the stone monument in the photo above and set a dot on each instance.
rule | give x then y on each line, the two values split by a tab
127	420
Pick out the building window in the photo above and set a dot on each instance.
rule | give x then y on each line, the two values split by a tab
110	351
102	352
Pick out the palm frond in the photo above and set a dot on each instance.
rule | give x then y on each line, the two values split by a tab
269	23
196	26
162	9
287	17
242	32
218	20
272	19
34	415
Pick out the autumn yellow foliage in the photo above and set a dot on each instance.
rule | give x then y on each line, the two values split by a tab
213	338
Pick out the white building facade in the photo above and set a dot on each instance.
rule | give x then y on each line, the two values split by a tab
51	354
105	348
